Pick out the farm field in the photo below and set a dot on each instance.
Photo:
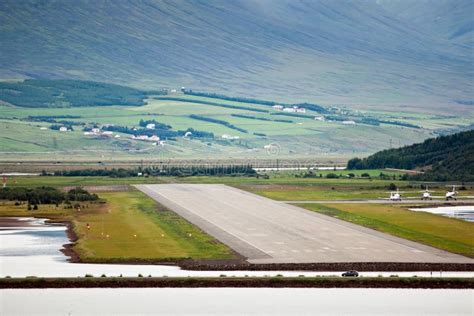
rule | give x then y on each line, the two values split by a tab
129	227
25	139
437	231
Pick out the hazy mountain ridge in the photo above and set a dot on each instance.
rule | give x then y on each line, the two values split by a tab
321	51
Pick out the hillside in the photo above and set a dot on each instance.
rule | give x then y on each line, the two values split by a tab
65	93
443	158
105	121
372	54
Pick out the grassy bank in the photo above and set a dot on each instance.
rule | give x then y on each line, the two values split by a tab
278	282
129	227
437	231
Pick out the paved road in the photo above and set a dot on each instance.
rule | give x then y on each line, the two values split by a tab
267	231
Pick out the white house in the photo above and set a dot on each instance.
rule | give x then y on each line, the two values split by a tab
349	122
63	129
277	107
319	118
150	126
95	130
226	136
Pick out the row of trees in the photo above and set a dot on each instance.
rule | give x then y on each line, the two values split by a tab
45	195
261	118
177	171
216	121
308	106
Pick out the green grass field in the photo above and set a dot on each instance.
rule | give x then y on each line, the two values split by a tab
130	227
437	231
22	139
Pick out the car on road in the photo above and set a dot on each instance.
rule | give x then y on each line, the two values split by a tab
351	273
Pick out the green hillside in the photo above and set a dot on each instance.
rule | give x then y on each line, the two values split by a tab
443	158
373	54
66	93
191	125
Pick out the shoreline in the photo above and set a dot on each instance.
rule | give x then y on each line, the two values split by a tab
239	264
237	282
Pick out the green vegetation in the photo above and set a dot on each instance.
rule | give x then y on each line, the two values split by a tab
161	130
183	171
260	118
276	179
26	132
437	231
229	106
45	195
66	93
216	121
444	158
309	106
129	227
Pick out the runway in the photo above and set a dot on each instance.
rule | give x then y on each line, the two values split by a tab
267	231
440	202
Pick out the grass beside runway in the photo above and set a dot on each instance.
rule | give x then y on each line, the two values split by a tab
129	227
449	234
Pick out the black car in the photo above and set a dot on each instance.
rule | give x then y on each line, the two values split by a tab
351	273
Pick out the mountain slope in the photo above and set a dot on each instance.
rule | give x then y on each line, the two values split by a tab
445	158
344	52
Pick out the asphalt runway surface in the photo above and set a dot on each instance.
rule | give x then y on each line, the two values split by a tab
386	201
267	231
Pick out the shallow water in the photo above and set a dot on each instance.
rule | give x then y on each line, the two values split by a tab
33	249
465	212
241	301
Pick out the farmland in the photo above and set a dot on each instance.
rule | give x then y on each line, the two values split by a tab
240	129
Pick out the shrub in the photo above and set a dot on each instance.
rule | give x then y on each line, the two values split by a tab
392	187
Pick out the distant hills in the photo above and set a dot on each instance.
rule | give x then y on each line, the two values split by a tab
365	54
442	158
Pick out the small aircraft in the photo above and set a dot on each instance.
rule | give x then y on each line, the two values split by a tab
426	195
452	194
395	196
